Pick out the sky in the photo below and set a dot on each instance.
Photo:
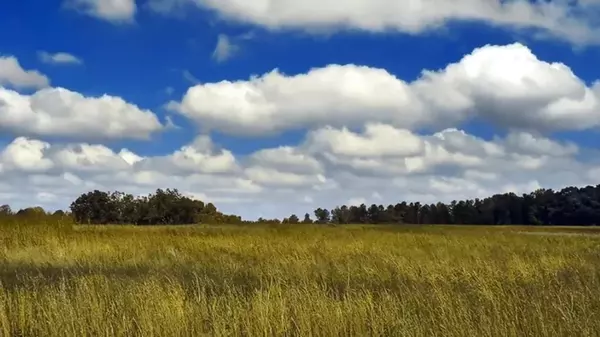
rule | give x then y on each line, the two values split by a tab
273	107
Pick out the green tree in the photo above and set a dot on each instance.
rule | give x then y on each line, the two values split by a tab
322	215
293	219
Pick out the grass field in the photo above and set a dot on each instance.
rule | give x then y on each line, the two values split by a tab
299	281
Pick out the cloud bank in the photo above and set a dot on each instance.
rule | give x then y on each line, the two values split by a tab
361	144
506	85
573	21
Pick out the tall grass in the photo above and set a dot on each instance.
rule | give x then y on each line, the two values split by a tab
297	281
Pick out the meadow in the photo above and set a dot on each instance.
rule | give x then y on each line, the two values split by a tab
300	280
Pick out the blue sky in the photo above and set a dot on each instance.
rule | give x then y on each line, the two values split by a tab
151	56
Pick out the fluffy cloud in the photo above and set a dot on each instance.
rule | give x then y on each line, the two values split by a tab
447	152
31	155
286	167
12	74
510	86
58	111
201	156
329	167
286	158
270	177
25	155
336	95
116	11
379	140
61	112
58	58
446	165
507	85
361	145
570	20
32	167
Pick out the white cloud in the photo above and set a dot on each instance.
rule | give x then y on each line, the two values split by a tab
333	95
274	178
507	85
86	157
569	20
201	156
116	11
59	58
510	86
285	180
447	165
61	112
224	49
361	145
288	159
379	140
31	167
12	74
25	155
536	145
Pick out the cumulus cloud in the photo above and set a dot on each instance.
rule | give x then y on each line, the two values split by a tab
442	166
568	20
13	75
27	154
511	87
274	178
116	11
31	166
274	102
361	145
61	112
288	159
507	85
59	58
201	156
378	140
445	152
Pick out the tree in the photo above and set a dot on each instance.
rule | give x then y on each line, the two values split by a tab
322	215
5	210
94	207
340	215
293	219
31	211
164	207
373	214
569	206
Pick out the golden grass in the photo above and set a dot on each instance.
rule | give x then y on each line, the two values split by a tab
297	281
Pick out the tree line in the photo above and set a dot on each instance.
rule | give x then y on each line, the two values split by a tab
569	206
164	207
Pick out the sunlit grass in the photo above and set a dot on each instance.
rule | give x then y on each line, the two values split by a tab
297	281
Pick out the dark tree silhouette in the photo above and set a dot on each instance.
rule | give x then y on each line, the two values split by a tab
569	206
165	207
